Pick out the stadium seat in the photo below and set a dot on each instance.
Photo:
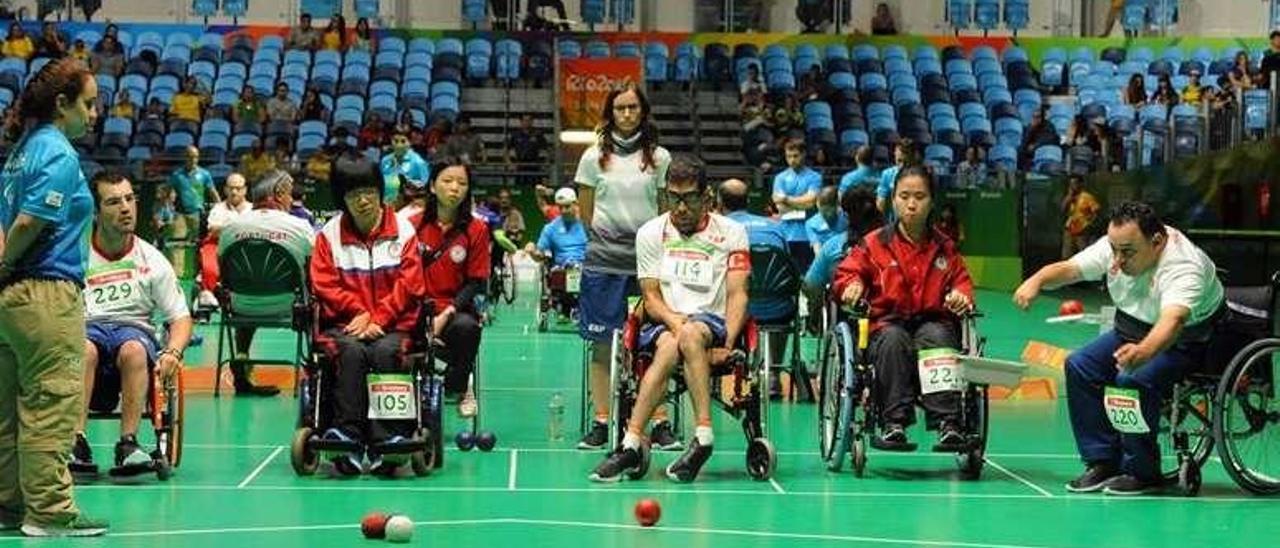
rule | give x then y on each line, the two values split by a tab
473	11
593	11
987	15
960	14
367	9
1017	15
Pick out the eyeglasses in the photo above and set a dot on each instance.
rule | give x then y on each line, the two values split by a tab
691	199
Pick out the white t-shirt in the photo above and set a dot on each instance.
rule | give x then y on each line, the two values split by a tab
296	235
221	213
133	288
625	197
692	271
1183	276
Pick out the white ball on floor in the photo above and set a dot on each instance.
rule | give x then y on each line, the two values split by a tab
399	529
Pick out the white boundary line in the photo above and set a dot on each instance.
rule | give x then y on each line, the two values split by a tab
1025	481
777	487
511	473
280	529
260	467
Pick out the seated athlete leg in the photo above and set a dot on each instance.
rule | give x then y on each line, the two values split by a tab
1153	380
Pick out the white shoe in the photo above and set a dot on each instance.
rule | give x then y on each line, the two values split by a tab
207	299
467	406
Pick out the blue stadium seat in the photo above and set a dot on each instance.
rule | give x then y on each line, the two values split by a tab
421	45
593	11
987	14
1134	16
473	11
570	49
1047	159
597	49
865	52
235	8
1017	15
367	9
449	45
175	143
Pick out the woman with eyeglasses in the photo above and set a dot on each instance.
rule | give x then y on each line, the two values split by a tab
618	178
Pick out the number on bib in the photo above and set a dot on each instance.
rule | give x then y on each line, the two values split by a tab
939	370
572	280
109	297
391	397
687	272
1124	410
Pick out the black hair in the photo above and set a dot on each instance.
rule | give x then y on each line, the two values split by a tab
685	167
105	177
647	130
828	195
463	217
1274	34
1143	214
859	207
349	172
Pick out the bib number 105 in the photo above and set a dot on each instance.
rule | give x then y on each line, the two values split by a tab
391	397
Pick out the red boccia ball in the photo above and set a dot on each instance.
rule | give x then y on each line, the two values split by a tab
374	525
648	512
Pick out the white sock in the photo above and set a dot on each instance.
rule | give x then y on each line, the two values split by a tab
631	441
704	435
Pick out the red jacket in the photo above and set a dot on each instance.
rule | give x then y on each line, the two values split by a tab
380	274
904	280
461	256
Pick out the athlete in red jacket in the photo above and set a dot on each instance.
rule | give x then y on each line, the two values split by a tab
916	284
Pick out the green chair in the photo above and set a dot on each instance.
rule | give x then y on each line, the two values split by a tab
774	278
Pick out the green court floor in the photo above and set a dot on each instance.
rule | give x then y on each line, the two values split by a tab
235	486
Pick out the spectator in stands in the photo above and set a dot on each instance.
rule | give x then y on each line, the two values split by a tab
304	36
513	219
80	51
281	108
1193	93
402	161
194	186
795	191
335	35
312	108
155	110
1110	150
18	44
1039	133
362	38
1135	94
465	144
813	14
863	174
1243	77
318	166
249	110
341	142
286	159
53	44
905	154
189	103
107	57
526	146
374	133
811	88
437	135
268	220
1080	209
971	171
111	32
753	112
1165	94
828	222
948	224
787	116
882	24
124	106
752	83
1270	61
1077	133
257	161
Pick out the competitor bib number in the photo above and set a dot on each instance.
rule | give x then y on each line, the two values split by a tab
939	370
688	272
572	280
1124	410
391	397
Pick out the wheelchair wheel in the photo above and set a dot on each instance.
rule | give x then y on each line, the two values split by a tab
1191	437
508	279
543	314
422	460
978	420
833	422
762	459
305	461
164	470
169	405
1246	407
1189	478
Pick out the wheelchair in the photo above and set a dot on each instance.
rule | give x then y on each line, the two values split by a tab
426	374
260	268
558	294
748	402
165	408
849	414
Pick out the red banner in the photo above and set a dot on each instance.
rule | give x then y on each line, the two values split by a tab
584	84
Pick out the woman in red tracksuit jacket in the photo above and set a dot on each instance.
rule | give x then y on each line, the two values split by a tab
366	276
916	284
455	251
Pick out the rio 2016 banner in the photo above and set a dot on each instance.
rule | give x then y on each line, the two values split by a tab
584	84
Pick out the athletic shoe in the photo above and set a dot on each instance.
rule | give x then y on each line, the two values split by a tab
386	466
207	299
1095	478
128	453
663	437
949	438
685	469
633	462
596	437
10	520
80	526
467	406
348	464
82	458
1127	486
893	437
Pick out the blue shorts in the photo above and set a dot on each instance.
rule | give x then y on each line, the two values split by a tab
108	338
602	303
650	332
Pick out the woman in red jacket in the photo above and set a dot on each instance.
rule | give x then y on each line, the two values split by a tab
916	285
366	276
455	265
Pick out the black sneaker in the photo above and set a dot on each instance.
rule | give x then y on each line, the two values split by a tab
82	458
685	469
129	453
950	439
663	437
1127	486
1095	478
893	437
386	466
596	437
10	520
80	526
347	464
632	462
256	390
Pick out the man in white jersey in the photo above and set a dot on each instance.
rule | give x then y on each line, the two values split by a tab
693	266
127	284
269	220
1168	299
234	205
